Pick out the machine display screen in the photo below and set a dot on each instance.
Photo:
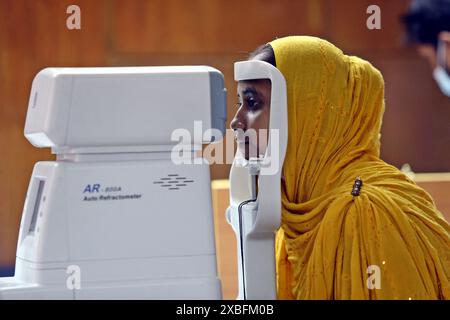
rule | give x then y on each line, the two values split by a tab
37	203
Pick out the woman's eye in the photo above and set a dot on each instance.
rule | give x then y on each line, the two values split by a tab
252	103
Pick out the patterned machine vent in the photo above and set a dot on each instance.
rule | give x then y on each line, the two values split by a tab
173	181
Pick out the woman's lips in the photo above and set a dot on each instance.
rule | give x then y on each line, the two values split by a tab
241	137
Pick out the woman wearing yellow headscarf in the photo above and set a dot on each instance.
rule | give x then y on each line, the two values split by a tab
353	226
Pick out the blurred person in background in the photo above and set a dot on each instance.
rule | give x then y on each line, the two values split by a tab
427	24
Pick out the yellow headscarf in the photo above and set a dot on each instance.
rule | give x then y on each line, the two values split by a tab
390	242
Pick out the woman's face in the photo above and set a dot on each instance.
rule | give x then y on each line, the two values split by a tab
252	116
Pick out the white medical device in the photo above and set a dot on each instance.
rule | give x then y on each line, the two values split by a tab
255	192
114	217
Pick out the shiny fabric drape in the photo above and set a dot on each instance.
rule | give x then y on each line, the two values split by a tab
390	242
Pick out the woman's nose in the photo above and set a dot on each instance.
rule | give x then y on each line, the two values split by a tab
238	122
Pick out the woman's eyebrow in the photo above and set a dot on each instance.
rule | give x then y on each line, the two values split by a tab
250	90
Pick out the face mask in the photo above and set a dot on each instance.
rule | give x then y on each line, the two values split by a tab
443	80
440	73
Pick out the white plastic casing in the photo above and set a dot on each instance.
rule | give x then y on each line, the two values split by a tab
261	218
123	107
114	205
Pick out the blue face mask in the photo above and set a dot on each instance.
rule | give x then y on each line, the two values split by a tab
440	73
443	80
